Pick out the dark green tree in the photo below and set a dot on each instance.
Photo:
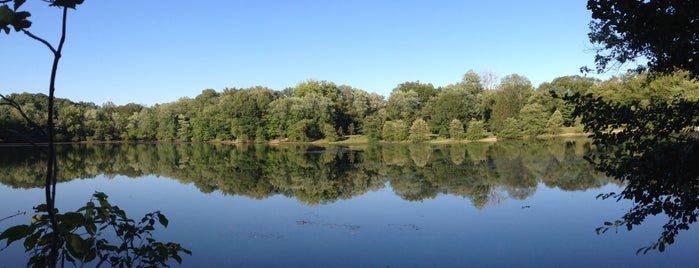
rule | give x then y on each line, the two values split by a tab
510	98
459	101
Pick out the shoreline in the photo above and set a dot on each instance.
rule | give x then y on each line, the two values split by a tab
359	139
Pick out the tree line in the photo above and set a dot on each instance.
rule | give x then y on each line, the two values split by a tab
472	108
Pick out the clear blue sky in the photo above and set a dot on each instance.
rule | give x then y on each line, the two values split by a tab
151	52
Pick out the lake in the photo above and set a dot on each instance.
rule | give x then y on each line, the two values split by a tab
506	204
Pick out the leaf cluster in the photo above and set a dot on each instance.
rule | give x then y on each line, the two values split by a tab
652	146
84	237
663	32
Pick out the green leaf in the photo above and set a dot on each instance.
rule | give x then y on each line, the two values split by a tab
6	15
66	3
41	208
163	220
20	22
72	220
89	210
31	241
177	258
104	203
77	246
639	251
15	233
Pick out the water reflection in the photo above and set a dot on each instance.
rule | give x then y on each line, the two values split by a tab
661	178
480	204
481	172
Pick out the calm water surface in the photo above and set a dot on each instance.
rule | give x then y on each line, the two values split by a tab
507	204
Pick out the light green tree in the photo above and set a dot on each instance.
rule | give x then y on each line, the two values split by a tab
511	129
555	123
533	119
456	129
395	130
475	130
419	131
403	105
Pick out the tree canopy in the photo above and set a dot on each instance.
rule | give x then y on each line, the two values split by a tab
664	32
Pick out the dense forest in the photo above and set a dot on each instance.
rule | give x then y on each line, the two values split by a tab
474	108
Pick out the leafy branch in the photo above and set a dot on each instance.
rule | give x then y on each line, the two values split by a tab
82	237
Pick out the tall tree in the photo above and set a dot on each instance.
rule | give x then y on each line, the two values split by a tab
510	98
403	105
456	101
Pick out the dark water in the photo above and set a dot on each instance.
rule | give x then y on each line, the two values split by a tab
505	204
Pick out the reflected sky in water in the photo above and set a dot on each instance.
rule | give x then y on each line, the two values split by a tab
548	228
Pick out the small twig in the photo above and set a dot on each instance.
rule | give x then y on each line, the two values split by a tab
15	215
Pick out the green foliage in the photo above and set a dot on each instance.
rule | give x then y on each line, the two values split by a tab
533	118
566	85
259	114
297	131
555	123
453	102
663	32
510	98
456	129
12	17
475	130
419	131
83	237
403	105
373	126
329	132
424	91
394	130
649	142
511	130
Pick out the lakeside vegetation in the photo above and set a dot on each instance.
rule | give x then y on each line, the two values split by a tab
321	111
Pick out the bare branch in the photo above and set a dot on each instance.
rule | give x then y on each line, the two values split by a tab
18	107
28	33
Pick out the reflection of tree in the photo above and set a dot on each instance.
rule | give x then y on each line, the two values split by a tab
420	154
317	175
662	179
518	177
